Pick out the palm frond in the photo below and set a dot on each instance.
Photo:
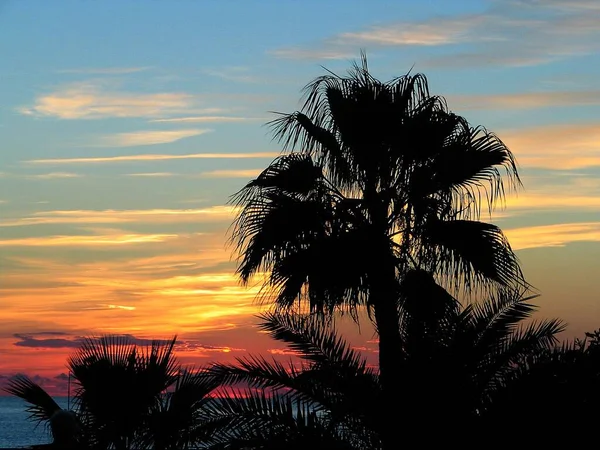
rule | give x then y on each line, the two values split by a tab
469	254
41	405
314	342
268	422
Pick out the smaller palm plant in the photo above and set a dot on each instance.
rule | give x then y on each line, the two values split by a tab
127	396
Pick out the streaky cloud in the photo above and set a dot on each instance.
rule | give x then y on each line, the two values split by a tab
556	146
152	174
153	157
555	235
86	241
241	173
213	213
525	100
105	70
204	119
148	137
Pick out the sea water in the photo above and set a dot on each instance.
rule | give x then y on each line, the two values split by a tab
15	429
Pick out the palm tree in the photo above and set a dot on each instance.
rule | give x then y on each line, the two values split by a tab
455	362
386	179
329	400
458	360
560	385
127	396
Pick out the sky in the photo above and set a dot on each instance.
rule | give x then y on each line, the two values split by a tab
126	125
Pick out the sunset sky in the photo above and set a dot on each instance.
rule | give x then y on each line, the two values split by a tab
126	125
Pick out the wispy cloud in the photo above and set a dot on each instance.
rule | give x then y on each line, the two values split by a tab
86	241
242	173
91	101
138	138
152	174
437	31
205	119
213	213
105	70
235	73
153	157
313	53
233	173
516	33
557	235
54	175
556	146
524	100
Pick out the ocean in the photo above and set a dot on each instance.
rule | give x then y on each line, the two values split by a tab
15	429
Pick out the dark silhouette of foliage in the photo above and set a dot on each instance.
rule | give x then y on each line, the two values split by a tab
455	360
381	179
128	396
557	386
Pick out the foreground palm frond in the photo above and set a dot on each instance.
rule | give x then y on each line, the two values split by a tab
41	405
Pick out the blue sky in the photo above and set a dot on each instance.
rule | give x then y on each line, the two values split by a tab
127	124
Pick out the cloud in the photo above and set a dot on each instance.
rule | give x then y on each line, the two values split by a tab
242	173
152	174
433	32
90	101
153	157
86	241
236	73
234	173
563	147
525	100
204	119
163	216
553	200
313	53
139	138
105	70
437	31
26	340
505	33
557	235
54	175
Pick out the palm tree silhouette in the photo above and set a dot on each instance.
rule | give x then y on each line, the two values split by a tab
559	385
455	361
329	400
127	396
386	179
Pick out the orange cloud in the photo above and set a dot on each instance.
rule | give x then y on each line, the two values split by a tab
149	137
560	147
557	235
242	173
91	101
154	157
86	241
525	100
213	213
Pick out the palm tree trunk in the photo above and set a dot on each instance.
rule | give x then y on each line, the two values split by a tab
384	301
